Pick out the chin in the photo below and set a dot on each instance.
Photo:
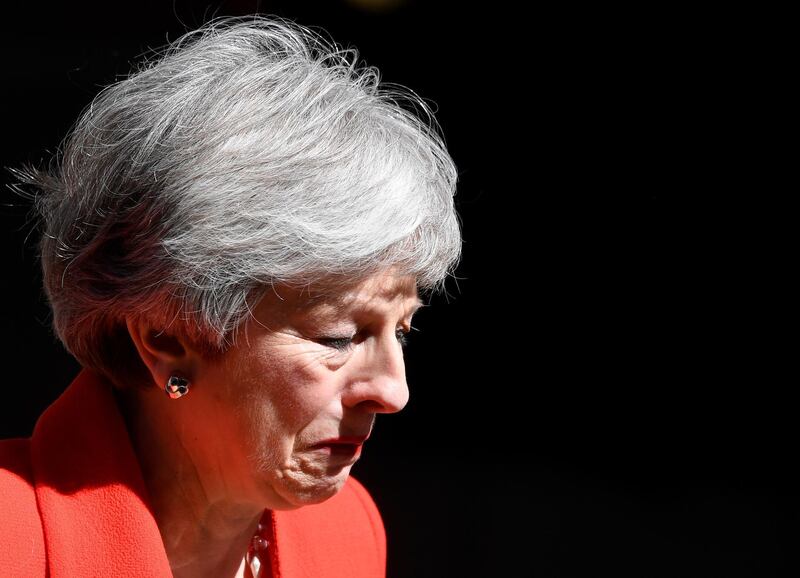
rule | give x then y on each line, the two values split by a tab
298	489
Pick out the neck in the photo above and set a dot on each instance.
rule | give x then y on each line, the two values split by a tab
206	532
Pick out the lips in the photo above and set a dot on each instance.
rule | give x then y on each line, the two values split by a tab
355	440
343	446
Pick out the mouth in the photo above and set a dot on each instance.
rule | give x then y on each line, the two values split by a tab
355	440
345	447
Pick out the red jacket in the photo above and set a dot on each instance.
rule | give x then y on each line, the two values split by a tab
73	503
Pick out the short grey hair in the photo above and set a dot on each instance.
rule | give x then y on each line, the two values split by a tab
249	153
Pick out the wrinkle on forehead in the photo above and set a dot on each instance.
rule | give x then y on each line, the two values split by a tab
376	289
374	292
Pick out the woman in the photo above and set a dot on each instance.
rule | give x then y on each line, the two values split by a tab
234	241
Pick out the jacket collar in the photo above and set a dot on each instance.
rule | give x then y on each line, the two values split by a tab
90	490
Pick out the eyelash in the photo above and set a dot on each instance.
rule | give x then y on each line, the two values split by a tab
344	343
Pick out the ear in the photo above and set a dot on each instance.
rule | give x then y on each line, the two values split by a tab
162	353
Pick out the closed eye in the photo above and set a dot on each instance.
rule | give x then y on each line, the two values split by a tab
339	343
345	343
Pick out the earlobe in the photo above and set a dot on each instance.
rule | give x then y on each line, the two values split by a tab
163	354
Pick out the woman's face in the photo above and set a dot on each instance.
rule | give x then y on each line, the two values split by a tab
284	412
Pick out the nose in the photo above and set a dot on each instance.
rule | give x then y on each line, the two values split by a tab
379	383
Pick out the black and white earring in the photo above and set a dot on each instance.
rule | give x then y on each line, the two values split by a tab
177	387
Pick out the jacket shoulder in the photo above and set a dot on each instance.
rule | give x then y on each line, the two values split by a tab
22	551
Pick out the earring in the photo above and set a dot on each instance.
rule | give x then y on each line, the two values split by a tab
177	387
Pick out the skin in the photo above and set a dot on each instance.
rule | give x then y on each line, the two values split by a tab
244	438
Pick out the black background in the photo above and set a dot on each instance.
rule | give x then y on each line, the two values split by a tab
605	389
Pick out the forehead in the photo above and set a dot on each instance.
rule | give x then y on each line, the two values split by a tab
377	293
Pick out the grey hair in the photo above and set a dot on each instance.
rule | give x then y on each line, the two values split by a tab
249	153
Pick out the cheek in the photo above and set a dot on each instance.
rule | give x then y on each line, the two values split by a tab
284	396
306	397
